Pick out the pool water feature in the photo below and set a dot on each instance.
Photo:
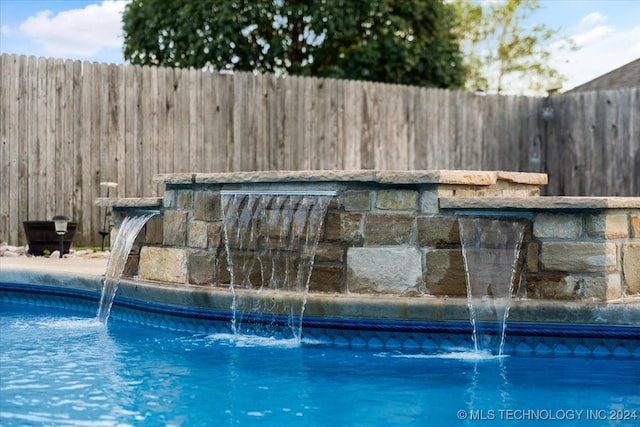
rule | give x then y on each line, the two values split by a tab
270	241
127	233
491	249
391	247
62	370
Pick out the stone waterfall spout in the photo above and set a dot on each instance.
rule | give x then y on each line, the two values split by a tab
122	245
270	239
491	248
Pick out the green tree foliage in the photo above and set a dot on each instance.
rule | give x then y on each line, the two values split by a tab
395	41
503	52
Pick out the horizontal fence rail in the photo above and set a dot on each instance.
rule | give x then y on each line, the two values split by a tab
67	126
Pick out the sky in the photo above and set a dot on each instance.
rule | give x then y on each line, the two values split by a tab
607	32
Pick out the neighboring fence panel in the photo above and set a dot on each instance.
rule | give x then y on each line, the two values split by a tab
594	143
66	126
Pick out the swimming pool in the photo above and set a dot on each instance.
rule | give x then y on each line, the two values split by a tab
60	367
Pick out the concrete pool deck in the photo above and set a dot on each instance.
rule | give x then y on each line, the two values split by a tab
94	266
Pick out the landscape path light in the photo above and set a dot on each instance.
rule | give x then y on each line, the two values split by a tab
61	222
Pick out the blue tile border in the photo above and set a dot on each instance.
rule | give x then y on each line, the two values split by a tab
542	339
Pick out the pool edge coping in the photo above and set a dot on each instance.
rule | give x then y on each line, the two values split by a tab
333	307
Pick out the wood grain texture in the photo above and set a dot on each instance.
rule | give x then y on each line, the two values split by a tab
66	126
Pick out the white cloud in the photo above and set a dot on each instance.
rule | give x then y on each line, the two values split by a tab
591	36
78	32
5	30
593	18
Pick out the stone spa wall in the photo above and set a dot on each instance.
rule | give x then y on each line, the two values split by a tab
396	232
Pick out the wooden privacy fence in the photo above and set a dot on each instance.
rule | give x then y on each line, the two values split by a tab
592	143
66	126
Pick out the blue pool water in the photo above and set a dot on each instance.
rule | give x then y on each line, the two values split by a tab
56	369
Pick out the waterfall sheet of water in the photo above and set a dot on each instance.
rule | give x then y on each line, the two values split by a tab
491	248
124	240
271	240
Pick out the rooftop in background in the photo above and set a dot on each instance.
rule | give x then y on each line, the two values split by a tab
624	77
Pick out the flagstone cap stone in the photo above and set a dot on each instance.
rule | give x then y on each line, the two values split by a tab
540	203
129	202
459	177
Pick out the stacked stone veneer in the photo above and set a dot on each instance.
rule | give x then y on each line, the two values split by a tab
397	233
584	255
579	248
